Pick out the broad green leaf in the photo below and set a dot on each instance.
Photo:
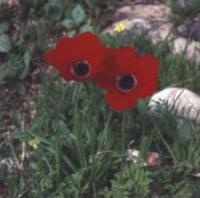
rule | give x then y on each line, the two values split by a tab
86	28
67	23
185	131
72	33
54	9
5	44
78	14
4	27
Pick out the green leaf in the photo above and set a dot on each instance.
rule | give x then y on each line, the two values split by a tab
26	60
4	27
2	75
78	14
86	28
55	9
5	44
72	33
185	131
142	106
67	23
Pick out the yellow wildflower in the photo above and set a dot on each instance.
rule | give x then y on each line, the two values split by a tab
34	142
119	27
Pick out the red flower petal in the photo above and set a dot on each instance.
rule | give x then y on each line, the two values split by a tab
118	61
146	68
104	81
147	89
125	58
105	78
62	52
88	46
125	62
121	101
83	47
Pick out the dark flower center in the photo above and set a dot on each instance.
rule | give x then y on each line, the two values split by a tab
126	82
80	68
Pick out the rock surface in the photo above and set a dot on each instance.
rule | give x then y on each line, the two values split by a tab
154	20
183	102
190	29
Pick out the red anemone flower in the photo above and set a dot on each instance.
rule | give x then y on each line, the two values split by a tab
127	77
78	58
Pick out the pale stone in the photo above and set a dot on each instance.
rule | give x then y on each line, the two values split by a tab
151	18
141	25
11	3
183	102
192	49
150	12
181	3
133	155
150	158
154	21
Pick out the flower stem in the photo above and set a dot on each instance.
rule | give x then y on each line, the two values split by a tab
124	130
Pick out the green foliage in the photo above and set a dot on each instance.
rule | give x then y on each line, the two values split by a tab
130	181
4	27
75	158
77	21
171	183
73	145
15	67
27	35
5	44
78	14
